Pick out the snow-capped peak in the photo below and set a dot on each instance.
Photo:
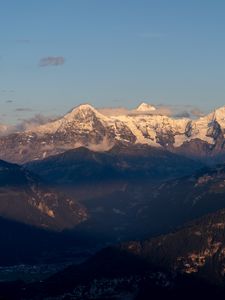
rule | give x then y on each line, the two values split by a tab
145	107
82	107
81	114
220	112
84	110
219	116
3	129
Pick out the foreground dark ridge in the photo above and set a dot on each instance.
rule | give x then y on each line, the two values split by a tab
192	257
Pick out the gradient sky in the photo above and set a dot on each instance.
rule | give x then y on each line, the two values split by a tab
115	52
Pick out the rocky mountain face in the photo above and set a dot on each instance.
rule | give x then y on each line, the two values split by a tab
25	198
198	249
85	126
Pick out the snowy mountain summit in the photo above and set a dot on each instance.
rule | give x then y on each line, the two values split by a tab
88	127
145	107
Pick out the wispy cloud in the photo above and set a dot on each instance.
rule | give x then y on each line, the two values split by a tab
23	109
51	61
7	91
31	123
25	124
184	111
9	101
182	114
197	112
117	111
174	111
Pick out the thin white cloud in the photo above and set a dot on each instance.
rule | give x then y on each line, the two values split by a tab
174	111
118	111
197	112
33	122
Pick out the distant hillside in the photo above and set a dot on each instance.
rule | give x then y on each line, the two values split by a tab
25	198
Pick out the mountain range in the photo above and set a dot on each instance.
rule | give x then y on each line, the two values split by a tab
101	176
87	169
145	189
86	126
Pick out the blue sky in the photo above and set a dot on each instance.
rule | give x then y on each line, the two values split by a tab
110	53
